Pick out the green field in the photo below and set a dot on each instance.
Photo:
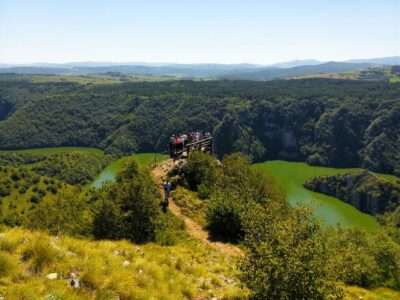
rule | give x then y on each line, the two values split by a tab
292	175
109	173
55	150
98	79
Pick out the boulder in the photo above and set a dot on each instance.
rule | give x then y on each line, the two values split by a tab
126	263
52	276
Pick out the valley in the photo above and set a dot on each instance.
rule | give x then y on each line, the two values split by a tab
88	170
291	177
199	150
220	280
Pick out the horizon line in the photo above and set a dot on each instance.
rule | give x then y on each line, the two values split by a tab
138	62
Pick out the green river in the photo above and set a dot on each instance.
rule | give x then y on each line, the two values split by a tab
110	172
292	175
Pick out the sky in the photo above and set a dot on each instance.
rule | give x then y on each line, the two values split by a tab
197	31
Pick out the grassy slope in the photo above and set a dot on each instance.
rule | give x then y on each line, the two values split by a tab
356	293
390	178
191	206
186	271
107	269
96	79
393	78
353	75
24	187
49	151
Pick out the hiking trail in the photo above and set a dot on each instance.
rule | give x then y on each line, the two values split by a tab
194	229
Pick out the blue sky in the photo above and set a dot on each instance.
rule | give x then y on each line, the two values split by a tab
197	31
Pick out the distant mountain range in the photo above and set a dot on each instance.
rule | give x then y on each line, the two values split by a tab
290	69
389	61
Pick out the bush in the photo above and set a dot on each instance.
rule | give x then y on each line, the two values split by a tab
35	199
286	256
224	218
15	176
8	264
4	191
169	229
68	214
201	172
238	188
135	207
365	259
35	179
40	253
52	189
22	190
107	222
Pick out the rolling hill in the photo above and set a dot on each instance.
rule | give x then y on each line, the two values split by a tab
282	70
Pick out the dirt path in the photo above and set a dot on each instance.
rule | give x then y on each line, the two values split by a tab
193	228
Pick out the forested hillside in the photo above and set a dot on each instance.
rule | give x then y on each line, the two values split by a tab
325	122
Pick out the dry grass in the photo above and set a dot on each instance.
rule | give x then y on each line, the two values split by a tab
190	204
108	270
357	293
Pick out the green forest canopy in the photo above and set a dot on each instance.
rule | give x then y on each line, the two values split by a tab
337	123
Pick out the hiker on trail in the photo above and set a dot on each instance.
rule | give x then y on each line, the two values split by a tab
167	189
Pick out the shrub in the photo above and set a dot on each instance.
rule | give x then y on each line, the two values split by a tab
22	190
8	264
40	253
4	191
135	201
52	189
15	176
35	179
365	259
238	188
201	172
169	229
68	213
41	192
107	221
224	217
35	198
286	256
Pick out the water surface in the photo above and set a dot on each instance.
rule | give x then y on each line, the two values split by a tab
110	172
332	211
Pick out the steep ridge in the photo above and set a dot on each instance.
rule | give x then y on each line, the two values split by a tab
194	230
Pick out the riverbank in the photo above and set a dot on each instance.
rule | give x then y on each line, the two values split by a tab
110	172
331	211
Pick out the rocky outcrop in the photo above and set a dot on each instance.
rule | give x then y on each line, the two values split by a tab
364	190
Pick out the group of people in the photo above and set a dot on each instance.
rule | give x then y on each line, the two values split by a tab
188	138
178	142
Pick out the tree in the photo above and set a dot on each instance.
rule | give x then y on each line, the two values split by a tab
286	256
201	171
65	213
238	188
131	208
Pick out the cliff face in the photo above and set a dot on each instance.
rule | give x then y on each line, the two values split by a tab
364	190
